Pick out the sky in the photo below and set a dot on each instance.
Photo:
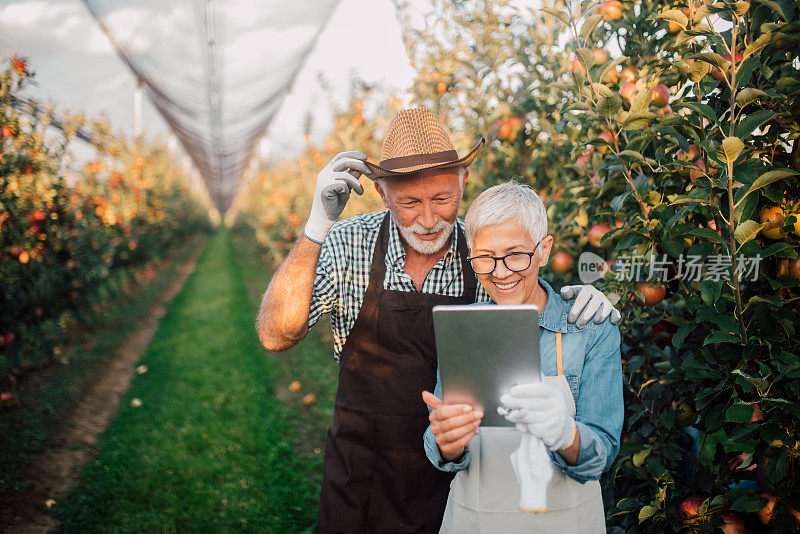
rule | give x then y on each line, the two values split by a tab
78	70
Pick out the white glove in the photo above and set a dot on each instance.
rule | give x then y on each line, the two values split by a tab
590	302
334	183
540	409
534	471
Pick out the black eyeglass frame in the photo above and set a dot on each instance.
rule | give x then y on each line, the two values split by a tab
495	258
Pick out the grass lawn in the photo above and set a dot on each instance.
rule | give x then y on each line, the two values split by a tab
216	444
50	393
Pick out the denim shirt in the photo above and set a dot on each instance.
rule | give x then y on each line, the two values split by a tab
593	370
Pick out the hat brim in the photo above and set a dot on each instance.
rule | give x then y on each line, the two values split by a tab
380	172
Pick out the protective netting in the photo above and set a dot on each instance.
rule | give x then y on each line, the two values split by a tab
217	71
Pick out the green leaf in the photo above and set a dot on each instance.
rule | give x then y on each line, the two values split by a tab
761	384
721	337
612	65
747	231
748	95
639	120
603	90
730	149
776	469
633	154
748	503
587	57
616	202
673	15
560	15
747	125
767	178
609	105
590	24
705	109
713	59
710	290
680	335
641	456
707	232
641	100
745	71
777	8
739	413
762	41
646	512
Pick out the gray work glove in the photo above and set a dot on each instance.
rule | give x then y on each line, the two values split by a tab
590	302
334	183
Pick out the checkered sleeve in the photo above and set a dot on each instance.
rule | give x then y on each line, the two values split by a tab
324	295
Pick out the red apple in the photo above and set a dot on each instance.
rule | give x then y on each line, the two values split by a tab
6	396
611	76
627	90
653	292
732	523
611	10
607	136
773	216
294	387
695	173
628	74
582	160
309	399
794	269
660	95
663	333
596	233
765	514
600	56
561	262
691	507
10	338
576	65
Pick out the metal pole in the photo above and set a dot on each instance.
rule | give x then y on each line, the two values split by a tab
137	110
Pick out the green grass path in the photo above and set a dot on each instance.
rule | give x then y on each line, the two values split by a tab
211	448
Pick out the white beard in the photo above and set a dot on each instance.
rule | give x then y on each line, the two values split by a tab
422	246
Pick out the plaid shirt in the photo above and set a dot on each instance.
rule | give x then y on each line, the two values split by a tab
343	272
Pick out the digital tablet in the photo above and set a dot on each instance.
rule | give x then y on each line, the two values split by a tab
483	350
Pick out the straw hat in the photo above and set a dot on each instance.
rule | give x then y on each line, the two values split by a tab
415	141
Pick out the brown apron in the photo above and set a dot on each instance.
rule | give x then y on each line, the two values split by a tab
376	477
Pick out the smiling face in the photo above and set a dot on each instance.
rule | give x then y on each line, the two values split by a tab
502	285
425	206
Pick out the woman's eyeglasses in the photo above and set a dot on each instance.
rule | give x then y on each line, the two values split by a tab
515	261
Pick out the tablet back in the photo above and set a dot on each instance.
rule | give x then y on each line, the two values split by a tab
483	350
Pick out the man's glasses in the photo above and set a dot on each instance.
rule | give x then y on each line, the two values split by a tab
515	261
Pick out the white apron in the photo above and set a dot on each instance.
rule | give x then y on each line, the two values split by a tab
484	497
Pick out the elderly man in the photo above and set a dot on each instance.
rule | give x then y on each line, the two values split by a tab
379	275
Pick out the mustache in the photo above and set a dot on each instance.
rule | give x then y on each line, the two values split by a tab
417	228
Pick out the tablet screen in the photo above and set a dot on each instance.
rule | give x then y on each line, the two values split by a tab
483	350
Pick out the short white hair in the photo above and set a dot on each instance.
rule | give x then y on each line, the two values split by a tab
505	202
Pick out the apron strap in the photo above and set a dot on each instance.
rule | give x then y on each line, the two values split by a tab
559	359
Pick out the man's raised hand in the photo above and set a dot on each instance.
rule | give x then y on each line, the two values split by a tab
334	183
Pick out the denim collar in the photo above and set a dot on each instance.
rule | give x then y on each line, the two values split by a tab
554	315
396	255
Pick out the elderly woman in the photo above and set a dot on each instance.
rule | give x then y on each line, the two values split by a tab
576	411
